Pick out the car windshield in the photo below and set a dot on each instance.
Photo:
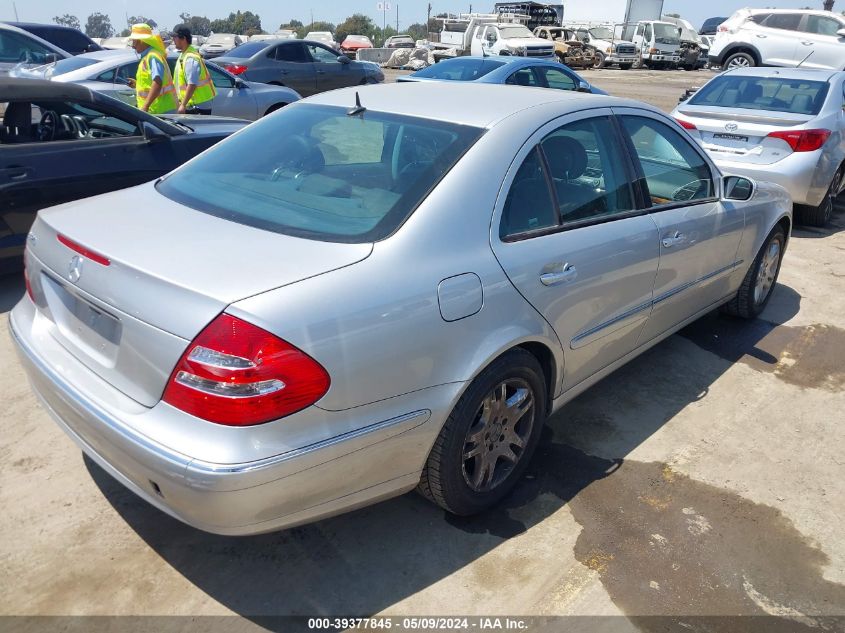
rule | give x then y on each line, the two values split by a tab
796	96
221	39
602	33
249	49
459	69
66	65
666	34
338	178
515	30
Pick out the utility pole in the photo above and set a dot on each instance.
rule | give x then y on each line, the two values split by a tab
397	19
17	19
428	20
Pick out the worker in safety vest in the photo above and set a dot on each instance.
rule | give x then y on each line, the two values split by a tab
154	89
194	85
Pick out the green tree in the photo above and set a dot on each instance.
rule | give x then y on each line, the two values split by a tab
357	24
197	24
140	19
418	31
98	25
292	25
240	23
67	20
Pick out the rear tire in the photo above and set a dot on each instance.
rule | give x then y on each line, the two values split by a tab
498	419
274	107
820	215
759	282
739	60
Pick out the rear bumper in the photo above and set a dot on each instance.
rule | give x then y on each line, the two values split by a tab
379	459
805	175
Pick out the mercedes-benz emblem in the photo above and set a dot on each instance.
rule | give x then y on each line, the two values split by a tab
731	127
74	268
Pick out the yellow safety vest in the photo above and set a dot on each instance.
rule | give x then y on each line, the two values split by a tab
166	100
205	87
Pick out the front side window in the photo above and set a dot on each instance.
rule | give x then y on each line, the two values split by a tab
822	25
673	170
322	55
557	79
327	176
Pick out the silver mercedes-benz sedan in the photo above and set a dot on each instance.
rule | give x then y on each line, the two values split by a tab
777	124
388	297
108	72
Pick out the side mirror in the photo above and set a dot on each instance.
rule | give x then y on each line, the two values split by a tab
240	84
583	86
343	59
151	133
841	32
51	58
738	188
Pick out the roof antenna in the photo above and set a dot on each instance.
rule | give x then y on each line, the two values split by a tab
358	109
805	59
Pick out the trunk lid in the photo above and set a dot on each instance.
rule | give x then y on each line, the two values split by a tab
742	137
171	270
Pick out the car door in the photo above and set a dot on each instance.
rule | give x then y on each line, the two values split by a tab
330	72
570	236
293	66
231	99
115	82
699	232
818	36
778	39
489	39
112	154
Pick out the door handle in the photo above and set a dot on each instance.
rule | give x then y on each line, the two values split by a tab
321	72
807	43
564	274
15	172
761	36
673	240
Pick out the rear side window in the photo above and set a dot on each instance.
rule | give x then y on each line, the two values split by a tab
326	176
71	40
292	53
787	21
796	96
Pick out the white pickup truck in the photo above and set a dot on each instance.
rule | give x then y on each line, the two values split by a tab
510	39
610	49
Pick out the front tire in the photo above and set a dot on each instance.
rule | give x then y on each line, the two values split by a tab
598	60
759	282
489	438
739	60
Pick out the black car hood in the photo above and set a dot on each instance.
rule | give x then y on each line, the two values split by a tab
207	125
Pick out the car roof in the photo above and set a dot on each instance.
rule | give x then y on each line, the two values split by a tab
807	11
491	102
812	74
11	27
509	60
39	25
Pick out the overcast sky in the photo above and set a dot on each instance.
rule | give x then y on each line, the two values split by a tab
274	12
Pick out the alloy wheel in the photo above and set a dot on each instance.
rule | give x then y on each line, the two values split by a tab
496	440
767	273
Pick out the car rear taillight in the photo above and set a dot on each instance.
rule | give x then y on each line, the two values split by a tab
85	252
686	124
802	140
235	69
238	374
26	278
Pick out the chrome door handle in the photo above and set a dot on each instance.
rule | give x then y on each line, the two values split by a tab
807	43
761	36
15	172
674	240
565	274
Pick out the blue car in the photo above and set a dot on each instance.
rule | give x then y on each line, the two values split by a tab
517	71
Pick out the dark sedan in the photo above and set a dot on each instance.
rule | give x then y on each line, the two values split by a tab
60	142
307	67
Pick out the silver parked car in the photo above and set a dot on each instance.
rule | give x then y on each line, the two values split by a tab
387	297
219	44
108	72
782	125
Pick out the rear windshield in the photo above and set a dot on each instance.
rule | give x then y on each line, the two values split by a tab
249	49
316	172
460	69
70	64
796	96
220	39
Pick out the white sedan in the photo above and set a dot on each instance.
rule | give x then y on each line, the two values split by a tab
782	125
